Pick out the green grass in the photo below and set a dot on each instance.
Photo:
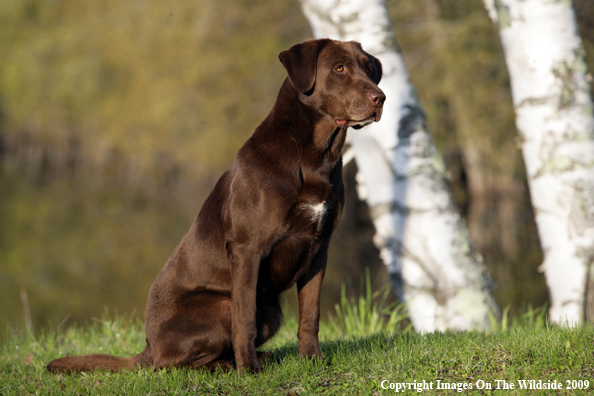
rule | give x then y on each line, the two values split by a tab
354	365
369	314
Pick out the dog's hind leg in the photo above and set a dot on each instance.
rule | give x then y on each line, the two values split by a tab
196	336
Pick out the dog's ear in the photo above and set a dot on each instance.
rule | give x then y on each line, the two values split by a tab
301	61
376	69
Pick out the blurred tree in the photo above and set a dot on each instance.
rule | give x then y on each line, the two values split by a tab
423	240
476	134
555	119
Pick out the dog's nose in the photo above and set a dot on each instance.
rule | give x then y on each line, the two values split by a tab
377	97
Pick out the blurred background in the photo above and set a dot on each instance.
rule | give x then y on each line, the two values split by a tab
117	118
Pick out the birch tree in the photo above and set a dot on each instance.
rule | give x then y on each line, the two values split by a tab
554	116
422	239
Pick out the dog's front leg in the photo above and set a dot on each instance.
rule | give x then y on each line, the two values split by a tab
245	280
309	287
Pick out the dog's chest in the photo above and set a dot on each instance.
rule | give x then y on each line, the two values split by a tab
308	219
311	218
307	225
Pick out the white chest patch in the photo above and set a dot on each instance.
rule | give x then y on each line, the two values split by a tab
315	212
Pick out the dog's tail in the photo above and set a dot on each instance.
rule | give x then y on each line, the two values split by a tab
97	361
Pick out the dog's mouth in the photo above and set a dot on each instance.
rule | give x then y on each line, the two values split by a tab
375	116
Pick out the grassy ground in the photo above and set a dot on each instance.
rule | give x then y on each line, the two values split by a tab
353	365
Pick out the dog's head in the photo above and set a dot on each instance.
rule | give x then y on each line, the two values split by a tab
338	79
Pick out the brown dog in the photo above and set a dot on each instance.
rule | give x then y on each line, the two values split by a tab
265	226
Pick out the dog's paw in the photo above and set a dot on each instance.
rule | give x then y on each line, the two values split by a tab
250	365
310	350
315	356
249	369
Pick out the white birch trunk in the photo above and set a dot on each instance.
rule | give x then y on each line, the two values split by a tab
422	239
549	80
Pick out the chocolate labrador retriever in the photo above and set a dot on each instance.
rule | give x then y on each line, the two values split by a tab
264	227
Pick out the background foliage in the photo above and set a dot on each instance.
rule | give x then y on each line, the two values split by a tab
116	119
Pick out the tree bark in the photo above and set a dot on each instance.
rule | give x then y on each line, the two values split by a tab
422	239
554	116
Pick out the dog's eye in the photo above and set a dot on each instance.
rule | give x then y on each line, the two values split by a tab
368	69
339	68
